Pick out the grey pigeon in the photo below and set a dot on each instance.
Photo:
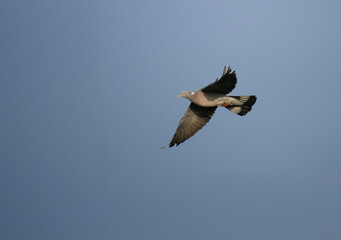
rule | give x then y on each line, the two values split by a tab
205	101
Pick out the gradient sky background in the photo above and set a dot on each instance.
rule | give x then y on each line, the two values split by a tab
88	96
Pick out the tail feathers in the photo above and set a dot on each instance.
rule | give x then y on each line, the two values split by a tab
246	104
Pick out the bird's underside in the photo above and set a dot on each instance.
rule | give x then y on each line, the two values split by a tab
204	103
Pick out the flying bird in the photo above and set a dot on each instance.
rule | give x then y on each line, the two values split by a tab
205	101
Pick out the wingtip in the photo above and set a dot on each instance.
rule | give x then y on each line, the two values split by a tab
224	71
165	147
227	71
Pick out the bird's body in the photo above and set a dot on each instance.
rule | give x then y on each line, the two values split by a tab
204	103
207	99
212	99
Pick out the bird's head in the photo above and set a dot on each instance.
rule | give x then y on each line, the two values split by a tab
185	94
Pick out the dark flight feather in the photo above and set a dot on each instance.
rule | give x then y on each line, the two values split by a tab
224	85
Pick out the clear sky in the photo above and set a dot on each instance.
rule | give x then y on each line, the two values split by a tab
88	96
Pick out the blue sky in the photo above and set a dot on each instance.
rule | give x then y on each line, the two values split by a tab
88	96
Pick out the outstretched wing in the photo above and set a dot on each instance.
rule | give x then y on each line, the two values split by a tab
193	120
225	84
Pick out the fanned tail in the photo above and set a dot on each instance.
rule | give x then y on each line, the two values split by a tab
247	103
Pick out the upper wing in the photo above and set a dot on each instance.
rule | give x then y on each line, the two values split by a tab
193	120
225	84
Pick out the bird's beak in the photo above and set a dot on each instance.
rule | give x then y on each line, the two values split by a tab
179	95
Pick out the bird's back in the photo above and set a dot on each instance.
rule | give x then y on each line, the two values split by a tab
206	99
